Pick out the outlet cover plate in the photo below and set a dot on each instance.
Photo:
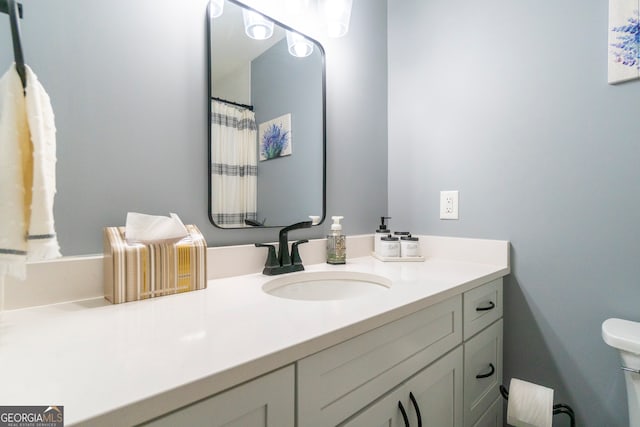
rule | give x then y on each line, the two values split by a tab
449	205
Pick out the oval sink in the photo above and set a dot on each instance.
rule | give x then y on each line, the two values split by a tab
326	285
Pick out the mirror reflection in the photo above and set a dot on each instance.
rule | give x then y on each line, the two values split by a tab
267	127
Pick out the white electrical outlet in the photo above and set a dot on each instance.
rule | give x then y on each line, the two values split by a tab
448	205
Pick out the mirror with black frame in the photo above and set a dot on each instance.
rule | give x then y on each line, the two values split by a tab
267	120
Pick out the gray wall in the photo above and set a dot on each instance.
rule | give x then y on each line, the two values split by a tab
290	187
128	86
508	102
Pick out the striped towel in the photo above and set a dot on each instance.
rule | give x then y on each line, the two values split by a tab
27	174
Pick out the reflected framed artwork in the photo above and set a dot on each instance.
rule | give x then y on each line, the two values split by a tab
274	137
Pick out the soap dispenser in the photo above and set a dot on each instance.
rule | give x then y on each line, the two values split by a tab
381	232
336	243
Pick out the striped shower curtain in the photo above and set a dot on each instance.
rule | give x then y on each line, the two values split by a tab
234	165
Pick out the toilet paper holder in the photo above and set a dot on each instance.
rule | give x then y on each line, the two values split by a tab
559	408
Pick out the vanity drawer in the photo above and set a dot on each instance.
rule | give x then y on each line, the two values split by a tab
482	372
339	381
493	417
482	307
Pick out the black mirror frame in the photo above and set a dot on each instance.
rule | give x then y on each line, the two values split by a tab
209	117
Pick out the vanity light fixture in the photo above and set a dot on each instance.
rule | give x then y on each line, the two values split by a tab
337	14
299	46
256	25
217	7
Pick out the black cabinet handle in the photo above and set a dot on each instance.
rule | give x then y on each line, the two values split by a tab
415	405
491	372
404	414
491	306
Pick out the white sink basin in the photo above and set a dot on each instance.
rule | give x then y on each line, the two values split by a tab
326	285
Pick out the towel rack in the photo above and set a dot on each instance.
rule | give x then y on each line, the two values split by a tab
14	10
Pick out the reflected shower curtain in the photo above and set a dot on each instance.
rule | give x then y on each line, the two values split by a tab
234	165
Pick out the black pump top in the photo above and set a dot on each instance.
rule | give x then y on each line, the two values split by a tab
382	227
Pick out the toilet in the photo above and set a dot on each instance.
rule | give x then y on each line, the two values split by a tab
624	335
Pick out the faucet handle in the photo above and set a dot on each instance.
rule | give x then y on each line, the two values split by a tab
295	254
272	259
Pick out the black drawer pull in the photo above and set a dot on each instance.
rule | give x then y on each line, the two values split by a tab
415	405
404	414
491	372
491	306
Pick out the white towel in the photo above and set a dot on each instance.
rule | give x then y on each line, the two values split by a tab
27	174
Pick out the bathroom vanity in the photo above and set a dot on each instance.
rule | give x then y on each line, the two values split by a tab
430	363
429	346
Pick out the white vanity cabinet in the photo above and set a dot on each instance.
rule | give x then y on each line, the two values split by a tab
448	357
267	401
441	364
337	383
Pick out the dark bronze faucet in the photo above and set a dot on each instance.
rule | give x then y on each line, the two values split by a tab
284	263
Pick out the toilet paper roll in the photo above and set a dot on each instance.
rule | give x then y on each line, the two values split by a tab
530	405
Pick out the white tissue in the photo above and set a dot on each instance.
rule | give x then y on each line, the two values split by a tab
142	228
529	405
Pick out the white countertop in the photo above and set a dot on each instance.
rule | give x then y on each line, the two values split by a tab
123	364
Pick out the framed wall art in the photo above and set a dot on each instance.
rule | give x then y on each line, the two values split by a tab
624	41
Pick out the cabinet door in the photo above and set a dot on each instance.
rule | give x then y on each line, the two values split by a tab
482	372
383	413
264	402
438	393
436	390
